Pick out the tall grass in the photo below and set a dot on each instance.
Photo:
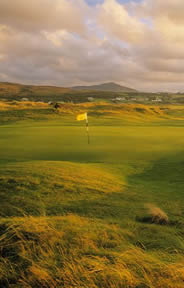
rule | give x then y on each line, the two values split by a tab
22	105
156	215
72	251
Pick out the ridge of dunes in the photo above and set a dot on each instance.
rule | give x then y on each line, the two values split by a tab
129	112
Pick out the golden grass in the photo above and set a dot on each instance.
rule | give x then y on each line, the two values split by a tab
70	251
156	215
128	112
14	105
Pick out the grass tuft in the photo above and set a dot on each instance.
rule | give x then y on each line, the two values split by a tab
155	215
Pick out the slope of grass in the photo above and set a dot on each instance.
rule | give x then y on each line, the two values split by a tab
48	188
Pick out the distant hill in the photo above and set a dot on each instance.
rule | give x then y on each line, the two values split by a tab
22	90
111	87
15	91
103	92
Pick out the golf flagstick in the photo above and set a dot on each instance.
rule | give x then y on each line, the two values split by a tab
82	117
87	128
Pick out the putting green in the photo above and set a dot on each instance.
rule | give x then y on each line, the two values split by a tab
109	144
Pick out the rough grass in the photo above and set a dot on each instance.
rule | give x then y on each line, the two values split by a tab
136	113
106	247
14	105
155	215
72	251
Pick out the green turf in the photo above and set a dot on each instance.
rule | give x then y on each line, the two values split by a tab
109	144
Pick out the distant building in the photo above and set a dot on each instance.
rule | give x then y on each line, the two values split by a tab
91	99
24	99
157	100
119	99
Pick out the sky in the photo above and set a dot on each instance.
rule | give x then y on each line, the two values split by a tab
95	2
137	43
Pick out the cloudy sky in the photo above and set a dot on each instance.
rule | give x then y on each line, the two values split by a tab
137	43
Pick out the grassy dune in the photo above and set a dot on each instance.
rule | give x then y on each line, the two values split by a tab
108	114
108	214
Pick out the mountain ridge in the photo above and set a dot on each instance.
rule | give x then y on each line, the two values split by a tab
109	86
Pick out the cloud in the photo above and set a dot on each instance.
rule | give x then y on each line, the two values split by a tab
116	20
67	42
49	15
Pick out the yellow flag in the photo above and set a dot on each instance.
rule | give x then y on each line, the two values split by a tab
82	116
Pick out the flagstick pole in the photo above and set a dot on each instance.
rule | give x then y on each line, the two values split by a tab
87	128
